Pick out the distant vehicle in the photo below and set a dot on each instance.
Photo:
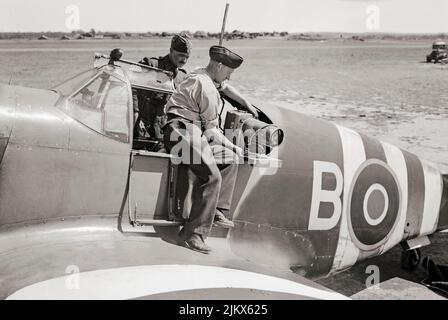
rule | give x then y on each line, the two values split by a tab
439	53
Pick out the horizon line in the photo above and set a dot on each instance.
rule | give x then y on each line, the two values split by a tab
244	31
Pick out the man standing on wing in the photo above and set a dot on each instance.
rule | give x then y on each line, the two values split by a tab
193	113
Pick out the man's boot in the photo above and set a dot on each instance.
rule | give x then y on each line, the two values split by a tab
221	220
194	242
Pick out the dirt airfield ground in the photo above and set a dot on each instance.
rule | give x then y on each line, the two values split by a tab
381	88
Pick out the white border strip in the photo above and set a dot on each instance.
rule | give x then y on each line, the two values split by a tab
142	281
354	155
433	197
396	160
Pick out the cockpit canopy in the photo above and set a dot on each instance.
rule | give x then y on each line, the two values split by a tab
142	76
100	99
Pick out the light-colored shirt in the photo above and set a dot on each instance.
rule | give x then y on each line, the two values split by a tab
196	99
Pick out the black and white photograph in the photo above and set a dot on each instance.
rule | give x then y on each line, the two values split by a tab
223	154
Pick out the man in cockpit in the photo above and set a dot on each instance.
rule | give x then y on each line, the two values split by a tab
150	106
193	116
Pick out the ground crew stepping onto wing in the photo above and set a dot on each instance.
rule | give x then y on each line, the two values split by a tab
193	116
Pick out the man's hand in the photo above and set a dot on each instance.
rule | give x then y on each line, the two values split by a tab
218	138
250	108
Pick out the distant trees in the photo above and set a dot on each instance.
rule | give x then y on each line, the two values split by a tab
95	34
200	35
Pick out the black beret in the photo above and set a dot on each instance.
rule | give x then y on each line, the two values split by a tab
226	57
181	44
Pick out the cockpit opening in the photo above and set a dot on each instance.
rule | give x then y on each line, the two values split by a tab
149	119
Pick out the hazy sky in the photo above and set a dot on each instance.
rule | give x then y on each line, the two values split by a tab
251	15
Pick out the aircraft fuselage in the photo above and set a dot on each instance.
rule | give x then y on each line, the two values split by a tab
338	198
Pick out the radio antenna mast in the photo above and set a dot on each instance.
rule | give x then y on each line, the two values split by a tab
223	29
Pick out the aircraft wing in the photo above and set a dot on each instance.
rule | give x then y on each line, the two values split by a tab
89	258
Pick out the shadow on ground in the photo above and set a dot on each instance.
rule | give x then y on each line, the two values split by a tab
353	280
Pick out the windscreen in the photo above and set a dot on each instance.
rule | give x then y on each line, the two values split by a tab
73	84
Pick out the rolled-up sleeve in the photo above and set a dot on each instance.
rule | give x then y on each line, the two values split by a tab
208	107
